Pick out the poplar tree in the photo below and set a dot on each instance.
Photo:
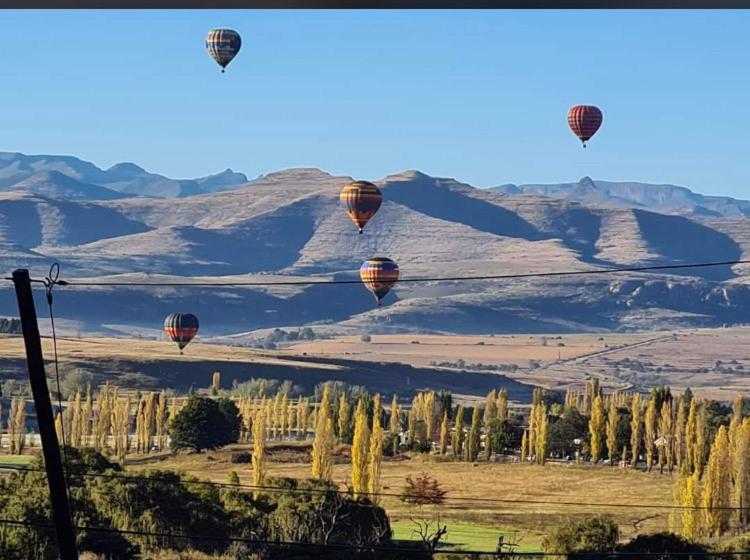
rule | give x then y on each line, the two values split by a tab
691	438
291	415
717	488
490	422
502	405
395	423
88	411
104	417
636	428
360	449
524	445
458	435
121	427
649	432
596	428
666	433
412	426
259	448
322	447
444	433
691	502
76	421
303	412
542	434
701	440
161	421
613	420
735	422
679	432
376	452
475	435
343	415
429	410
741	472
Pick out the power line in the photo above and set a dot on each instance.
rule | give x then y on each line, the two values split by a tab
286	490
378	548
312	282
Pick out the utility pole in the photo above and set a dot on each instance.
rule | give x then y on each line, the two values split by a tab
66	540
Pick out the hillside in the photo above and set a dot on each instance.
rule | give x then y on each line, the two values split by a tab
126	178
663	198
289	224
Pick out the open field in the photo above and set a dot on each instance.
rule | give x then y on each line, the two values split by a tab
680	359
147	364
631	497
714	363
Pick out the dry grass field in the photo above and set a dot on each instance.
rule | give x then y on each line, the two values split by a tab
631	497
622	361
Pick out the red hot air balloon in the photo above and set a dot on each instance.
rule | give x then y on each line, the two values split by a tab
181	328
361	200
584	121
379	275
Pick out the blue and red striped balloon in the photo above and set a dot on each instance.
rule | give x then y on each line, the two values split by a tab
181	328
223	45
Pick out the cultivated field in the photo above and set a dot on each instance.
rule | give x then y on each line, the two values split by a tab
631	497
622	361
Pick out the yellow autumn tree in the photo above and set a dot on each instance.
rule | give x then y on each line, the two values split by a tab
259	448
649	432
360	449
596	428
343	415
636	427
444	433
717	486
613	421
490	421
741	472
322	448
541	438
376	451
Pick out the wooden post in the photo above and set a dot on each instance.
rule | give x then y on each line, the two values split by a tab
66	541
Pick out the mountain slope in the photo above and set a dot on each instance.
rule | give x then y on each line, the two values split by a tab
663	198
289	225
54	184
126	178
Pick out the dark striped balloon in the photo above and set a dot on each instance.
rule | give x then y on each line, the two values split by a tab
584	121
181	328
361	200
223	45
379	275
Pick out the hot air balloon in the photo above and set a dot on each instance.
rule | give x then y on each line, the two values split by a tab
361	200
223	45
181	328
379	275
584	121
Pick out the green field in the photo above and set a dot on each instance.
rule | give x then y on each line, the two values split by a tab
468	536
15	460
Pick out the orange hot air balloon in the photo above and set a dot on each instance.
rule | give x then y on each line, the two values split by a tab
584	121
362	200
379	275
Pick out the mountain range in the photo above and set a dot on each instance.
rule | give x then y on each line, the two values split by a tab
129	225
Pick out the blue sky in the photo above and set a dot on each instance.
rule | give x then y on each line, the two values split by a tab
476	95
